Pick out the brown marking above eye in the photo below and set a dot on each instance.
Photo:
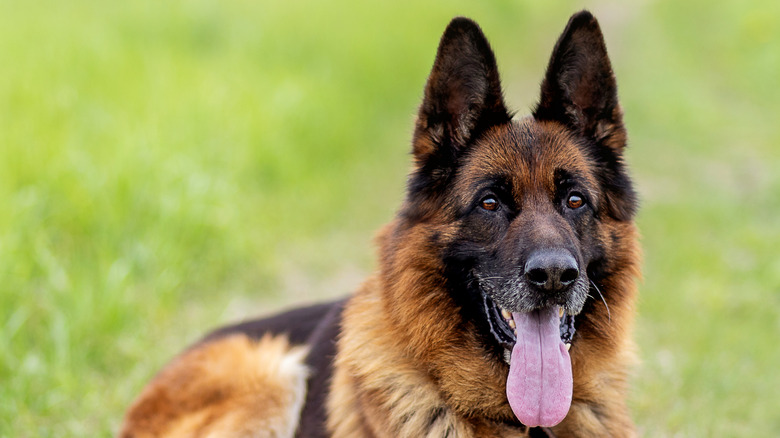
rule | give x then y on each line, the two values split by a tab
489	203
575	201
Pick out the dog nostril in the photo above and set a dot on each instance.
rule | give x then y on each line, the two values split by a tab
569	275
551	270
537	276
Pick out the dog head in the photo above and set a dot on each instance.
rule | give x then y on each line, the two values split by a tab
524	221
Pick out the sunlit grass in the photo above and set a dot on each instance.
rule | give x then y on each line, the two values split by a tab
166	167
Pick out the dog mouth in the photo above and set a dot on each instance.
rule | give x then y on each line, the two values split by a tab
503	326
536	345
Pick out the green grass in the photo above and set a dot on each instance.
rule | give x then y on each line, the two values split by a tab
169	166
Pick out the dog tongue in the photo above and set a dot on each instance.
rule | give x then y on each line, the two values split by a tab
539	385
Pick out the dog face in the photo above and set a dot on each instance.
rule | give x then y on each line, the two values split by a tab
526	217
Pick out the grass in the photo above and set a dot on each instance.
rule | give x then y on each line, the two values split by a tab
167	167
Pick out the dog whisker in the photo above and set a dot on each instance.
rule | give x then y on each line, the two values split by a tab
609	315
492	278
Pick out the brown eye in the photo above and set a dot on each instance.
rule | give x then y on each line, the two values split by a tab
575	201
489	203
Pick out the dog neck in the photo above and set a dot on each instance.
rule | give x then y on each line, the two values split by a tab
379	390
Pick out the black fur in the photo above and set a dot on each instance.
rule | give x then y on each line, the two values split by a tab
297	324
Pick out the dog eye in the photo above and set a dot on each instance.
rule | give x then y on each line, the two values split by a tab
489	203
575	201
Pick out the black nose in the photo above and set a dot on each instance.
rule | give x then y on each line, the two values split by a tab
551	269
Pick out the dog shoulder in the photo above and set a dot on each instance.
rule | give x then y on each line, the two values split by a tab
231	386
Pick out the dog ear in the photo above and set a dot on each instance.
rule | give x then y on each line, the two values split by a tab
579	90
462	97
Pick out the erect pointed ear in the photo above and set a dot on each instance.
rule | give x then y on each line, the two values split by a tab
462	96
579	88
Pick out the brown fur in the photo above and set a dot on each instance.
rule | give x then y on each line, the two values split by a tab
413	356
403	363
230	387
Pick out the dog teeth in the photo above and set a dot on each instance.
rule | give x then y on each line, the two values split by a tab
568	346
507	356
560	312
512	324
506	314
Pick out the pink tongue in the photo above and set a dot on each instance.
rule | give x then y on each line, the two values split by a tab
539	385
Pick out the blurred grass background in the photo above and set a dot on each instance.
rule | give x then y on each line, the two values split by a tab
169	166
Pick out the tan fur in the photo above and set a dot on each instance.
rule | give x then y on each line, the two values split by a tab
384	388
403	368
379	390
230	387
405	362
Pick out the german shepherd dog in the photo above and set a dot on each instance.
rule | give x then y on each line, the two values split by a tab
504	297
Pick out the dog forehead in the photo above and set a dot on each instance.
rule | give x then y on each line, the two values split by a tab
526	154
